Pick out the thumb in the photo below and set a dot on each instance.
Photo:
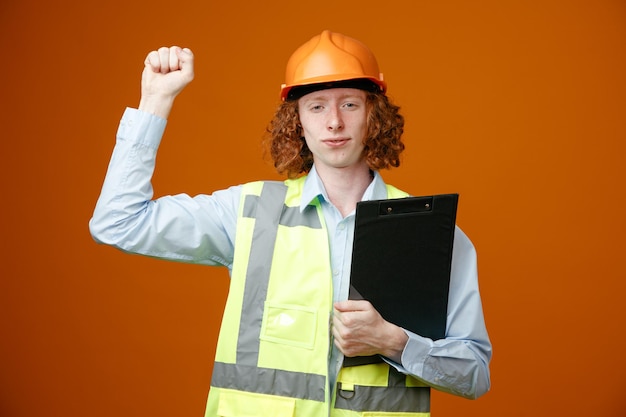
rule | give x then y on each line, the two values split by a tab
349	305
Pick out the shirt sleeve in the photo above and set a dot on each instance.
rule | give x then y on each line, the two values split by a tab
196	229
458	364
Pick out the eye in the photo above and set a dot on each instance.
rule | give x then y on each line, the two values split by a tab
350	105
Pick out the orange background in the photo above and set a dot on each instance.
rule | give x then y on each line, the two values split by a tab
517	105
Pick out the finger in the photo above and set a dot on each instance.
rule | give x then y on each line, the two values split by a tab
352	305
164	59
336	321
186	59
338	331
152	61
174	61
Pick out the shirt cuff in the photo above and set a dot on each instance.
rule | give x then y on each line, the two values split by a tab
141	127
413	356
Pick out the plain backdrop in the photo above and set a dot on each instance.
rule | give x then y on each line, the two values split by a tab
519	106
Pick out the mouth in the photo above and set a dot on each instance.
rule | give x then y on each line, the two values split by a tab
336	142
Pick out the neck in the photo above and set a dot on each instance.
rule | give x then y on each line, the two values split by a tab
345	187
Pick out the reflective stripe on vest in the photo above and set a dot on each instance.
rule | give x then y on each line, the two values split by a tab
272	210
394	396
269	212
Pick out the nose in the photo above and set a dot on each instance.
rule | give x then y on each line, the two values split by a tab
335	121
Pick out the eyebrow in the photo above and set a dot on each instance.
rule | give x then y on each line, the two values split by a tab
320	95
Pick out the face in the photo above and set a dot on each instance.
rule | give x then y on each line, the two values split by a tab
334	124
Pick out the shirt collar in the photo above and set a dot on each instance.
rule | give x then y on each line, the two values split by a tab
313	188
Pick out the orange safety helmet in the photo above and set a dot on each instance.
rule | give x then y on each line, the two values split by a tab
330	58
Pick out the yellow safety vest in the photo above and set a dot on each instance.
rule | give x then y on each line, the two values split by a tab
274	342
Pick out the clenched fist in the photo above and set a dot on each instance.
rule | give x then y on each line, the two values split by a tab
166	73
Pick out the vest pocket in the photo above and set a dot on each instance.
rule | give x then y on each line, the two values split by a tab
289	324
243	404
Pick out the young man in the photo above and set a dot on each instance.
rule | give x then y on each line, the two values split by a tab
287	323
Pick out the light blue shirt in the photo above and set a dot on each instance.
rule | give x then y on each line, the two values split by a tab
201	229
340	237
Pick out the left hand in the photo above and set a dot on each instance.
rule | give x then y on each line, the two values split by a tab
359	330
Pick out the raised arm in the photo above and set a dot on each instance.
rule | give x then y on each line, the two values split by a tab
197	229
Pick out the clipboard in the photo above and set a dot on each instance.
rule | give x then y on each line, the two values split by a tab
401	262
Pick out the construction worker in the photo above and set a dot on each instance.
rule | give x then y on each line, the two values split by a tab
288	322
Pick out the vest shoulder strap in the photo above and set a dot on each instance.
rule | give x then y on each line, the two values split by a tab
393	192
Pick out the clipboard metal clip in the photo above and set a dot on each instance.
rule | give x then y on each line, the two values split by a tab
405	206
